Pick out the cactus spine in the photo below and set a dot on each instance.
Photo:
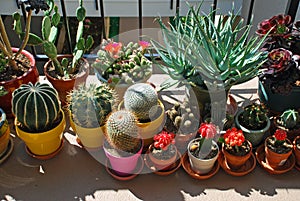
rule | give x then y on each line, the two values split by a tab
289	119
142	100
36	106
91	104
122	131
254	116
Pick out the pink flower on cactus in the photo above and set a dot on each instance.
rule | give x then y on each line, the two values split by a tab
163	140
280	134
144	44
113	48
208	130
234	137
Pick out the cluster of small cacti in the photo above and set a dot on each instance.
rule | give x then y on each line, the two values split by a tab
142	100
91	104
36	106
182	118
254	116
49	34
120	64
122	131
289	119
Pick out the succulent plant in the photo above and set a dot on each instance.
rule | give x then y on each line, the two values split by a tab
90	105
289	119
122	64
49	34
182	118
142	100
122	131
254	116
36	106
5	45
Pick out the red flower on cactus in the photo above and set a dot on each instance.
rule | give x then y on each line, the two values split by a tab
234	137
163	140
113	48
278	25
280	134
208	130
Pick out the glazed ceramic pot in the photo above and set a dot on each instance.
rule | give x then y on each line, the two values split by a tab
64	86
296	149
235	162
254	136
31	75
43	143
91	138
201	166
159	163
4	132
123	166
274	159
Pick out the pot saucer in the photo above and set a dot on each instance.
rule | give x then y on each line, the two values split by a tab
168	171
260	156
245	169
7	152
136	171
45	157
187	167
297	167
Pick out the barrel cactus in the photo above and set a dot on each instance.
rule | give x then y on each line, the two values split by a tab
289	119
36	106
91	104
122	131
142	100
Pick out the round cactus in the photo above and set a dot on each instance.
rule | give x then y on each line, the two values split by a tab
142	100
36	106
122	131
289	118
91	104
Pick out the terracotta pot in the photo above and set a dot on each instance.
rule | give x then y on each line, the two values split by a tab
274	159
123	166
296	150
31	75
44	143
254	136
235	162
159	163
201	166
91	138
64	86
291	133
4	132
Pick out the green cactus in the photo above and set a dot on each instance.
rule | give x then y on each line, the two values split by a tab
49	35
122	64
289	119
122	131
142	100
254	116
3	122
36	106
91	104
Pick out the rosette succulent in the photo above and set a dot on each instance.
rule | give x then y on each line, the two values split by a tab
123	64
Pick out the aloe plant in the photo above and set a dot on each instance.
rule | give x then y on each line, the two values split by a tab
49	35
200	52
7	57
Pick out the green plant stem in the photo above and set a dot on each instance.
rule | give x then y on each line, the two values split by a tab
27	30
57	66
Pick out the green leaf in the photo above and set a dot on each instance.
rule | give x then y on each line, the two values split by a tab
80	13
79	31
53	34
33	39
55	19
80	44
46	27
89	42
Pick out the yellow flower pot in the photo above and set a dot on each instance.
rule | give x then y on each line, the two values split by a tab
43	143
91	138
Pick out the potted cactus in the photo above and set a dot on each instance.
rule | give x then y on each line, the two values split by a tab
123	145
39	119
253	120
17	65
142	100
122	65
66	71
289	121
88	108
4	133
182	120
